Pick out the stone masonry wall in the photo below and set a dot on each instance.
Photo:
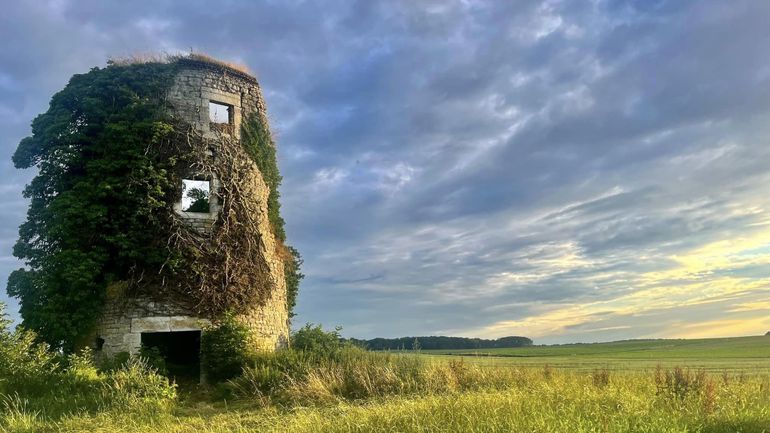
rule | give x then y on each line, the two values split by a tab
194	88
124	319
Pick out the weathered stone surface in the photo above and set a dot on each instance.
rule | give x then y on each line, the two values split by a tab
123	318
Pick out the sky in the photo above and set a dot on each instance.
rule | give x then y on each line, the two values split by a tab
568	171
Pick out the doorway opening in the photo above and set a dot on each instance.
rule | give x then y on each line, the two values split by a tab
181	351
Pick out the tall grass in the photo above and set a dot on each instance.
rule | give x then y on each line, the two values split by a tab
139	58
39	384
563	402
81	388
304	378
332	388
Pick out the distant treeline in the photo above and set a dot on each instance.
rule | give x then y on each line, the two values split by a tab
433	343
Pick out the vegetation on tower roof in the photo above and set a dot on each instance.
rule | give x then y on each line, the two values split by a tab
194	60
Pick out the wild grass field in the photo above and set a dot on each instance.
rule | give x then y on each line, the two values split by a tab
561	402
462	399
737	354
323	385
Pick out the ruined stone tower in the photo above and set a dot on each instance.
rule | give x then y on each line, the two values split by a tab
213	99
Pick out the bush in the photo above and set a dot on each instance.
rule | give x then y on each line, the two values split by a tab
24	363
315	340
42	382
225	350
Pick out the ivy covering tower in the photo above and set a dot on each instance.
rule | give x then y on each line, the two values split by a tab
155	209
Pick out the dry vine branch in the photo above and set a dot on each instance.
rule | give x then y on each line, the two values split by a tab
226	266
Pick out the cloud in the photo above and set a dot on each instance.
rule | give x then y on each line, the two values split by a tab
543	168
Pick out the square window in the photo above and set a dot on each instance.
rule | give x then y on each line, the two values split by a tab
195	196
220	113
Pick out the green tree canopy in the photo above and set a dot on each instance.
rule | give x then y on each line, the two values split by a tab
200	200
94	213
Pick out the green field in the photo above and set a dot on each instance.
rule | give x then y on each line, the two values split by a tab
745	354
579	388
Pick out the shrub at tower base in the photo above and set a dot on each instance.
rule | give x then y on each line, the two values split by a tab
109	159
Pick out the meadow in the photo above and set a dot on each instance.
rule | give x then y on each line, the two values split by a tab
532	400
334	387
736	354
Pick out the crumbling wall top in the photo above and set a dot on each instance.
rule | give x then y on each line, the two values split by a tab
206	63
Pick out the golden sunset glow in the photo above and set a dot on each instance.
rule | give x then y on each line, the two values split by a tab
700	277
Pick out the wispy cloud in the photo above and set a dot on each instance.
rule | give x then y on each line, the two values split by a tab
545	168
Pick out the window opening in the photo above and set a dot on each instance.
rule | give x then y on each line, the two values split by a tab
220	113
195	196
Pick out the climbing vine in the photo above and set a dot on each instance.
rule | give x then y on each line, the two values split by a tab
110	160
256	139
228	264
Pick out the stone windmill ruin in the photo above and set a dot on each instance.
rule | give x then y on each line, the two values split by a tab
213	99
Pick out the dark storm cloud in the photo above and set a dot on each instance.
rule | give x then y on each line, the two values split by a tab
456	166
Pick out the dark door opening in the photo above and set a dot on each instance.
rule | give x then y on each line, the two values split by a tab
181	351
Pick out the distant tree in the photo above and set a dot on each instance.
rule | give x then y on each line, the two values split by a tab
441	343
200	200
513	342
